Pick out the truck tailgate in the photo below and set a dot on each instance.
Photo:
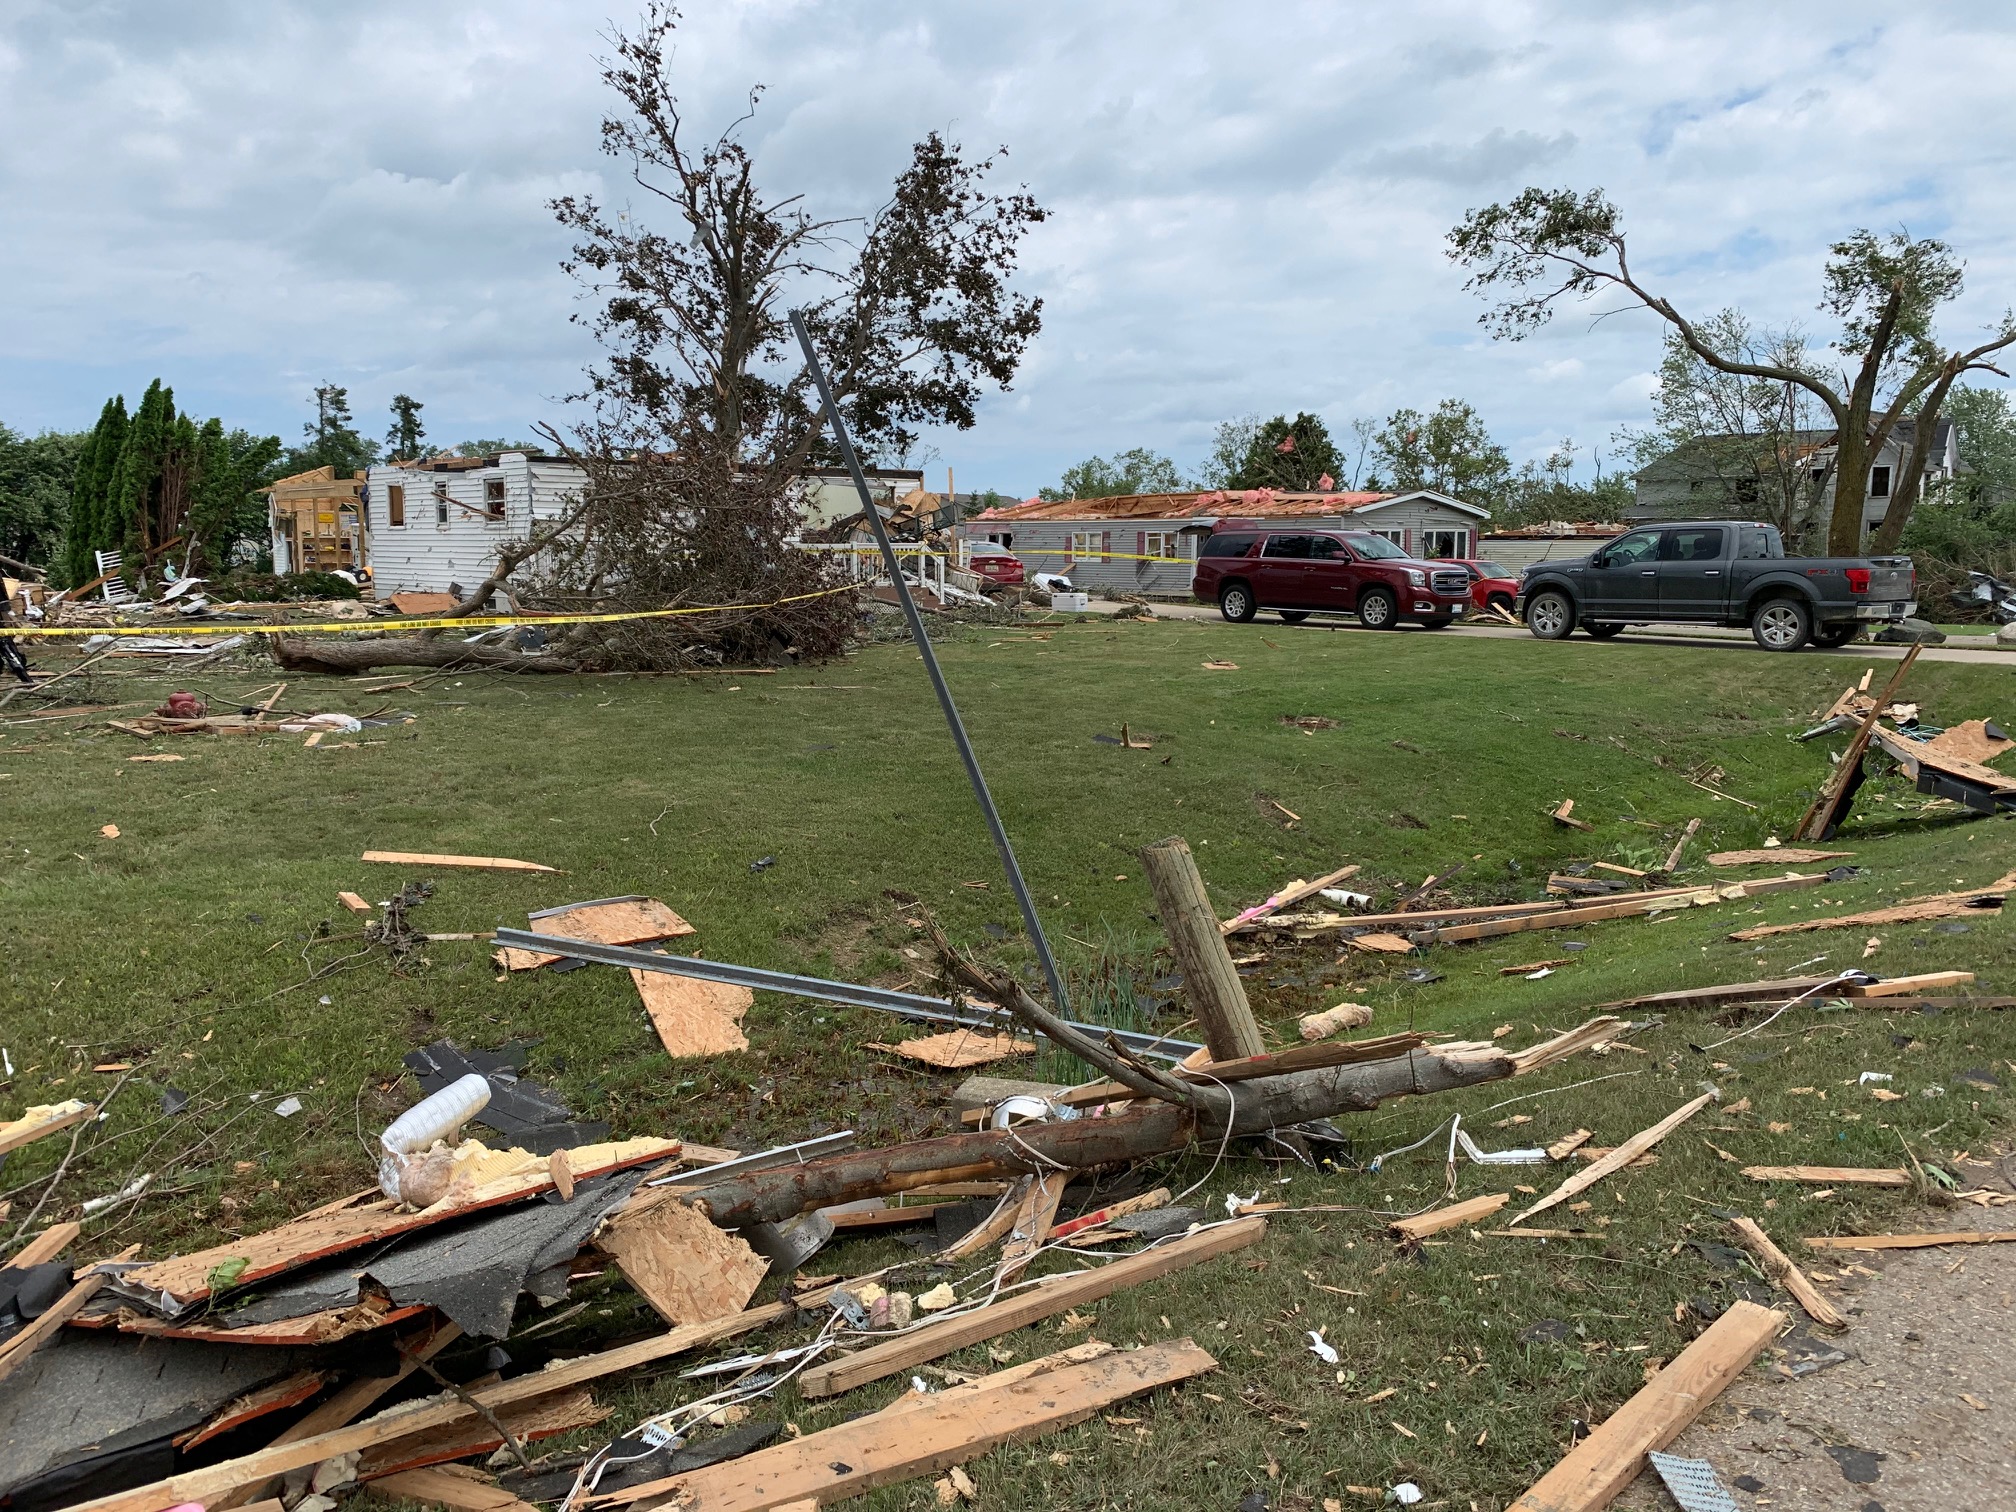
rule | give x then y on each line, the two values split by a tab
1891	582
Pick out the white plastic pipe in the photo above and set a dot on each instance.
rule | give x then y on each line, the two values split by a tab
438	1116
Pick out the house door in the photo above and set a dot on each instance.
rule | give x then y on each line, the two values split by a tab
1623	579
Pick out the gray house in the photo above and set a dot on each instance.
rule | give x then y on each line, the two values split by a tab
1146	544
1787	478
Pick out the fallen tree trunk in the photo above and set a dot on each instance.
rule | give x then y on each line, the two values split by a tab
346	656
1256	1106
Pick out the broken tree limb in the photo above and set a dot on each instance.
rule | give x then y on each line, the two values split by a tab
343	657
1211	984
1596	1470
1248	1107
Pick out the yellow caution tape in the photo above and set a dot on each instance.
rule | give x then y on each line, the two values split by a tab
474	621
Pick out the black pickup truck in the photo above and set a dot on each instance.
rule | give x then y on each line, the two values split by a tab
1716	572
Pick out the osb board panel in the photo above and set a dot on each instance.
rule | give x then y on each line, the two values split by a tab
324	1327
693	1017
187	1277
637	922
1969	742
960	1048
685	1267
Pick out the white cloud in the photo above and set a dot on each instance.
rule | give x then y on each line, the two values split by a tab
1248	204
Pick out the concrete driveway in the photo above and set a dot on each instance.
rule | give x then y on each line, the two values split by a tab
1958	648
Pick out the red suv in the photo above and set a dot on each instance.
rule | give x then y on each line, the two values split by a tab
1245	567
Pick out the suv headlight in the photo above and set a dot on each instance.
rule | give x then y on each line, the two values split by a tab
1417	577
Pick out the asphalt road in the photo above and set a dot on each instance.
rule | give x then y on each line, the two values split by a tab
1706	637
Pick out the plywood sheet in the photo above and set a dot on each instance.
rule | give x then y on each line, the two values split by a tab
623	921
960	1048
693	1017
1970	741
686	1268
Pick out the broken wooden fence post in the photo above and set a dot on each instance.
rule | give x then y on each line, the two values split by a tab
1210	981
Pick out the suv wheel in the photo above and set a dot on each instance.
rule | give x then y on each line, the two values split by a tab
1235	602
1781	624
1377	609
1550	615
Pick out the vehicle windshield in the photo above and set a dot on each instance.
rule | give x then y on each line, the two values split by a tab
1492	569
1374	548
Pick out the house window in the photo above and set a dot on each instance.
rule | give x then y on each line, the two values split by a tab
1445	543
440	503
1397	537
1002	538
1087	544
395	504
1879	482
1163	544
493	498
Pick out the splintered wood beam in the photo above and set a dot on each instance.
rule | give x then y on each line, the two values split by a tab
1819	820
1911	1241
61	1116
1454	1216
479	863
1779	1266
1895	1176
1598	1469
1617	1159
1044	1300
46	1246
1211	985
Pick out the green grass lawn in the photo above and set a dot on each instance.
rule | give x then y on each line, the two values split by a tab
205	946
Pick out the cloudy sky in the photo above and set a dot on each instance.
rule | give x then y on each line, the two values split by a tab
246	197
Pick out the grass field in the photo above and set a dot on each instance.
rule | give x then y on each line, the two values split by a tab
205	947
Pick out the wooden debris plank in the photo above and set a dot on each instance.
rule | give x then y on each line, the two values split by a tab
1617	1159
320	1235
1733	992
1077	1354
1623	908
1982	901
210	1483
1924	981
1913	754
15	1351
1565	814
1475	914
344	1405
1031	1229
1292	894
544	1417
1456	1215
1969	741
935	1340
253	1405
943	1430
41	1122
1911	1241
1781	855
1818	821
479	863
1146	1202
993	1227
960	1048
306	1331
1831	1175
1598	1469
1378	942
46	1246
1672	862
693	1017
1779	1266
616	921
1529	967
353	902
686	1268
1567	1145
442	1486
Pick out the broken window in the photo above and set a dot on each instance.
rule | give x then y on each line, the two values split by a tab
1454	544
1879	482
493	498
395	504
1162	544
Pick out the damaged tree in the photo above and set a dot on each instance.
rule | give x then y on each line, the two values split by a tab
701	422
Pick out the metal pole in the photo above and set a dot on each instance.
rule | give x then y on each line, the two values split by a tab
1001	842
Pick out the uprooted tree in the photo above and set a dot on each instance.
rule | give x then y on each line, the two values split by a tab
700	421
1545	246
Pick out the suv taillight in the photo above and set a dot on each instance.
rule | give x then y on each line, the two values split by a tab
1858	579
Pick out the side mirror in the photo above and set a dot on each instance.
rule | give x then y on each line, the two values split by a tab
1599	559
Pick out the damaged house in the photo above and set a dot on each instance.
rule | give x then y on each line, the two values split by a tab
1147	543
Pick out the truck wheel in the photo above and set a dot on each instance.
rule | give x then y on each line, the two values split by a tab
1781	624
1293	616
1500	602
1831	636
1550	615
1604	632
1377	609
1235	602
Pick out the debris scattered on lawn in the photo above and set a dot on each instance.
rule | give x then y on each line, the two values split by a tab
479	863
1317	1026
1564	814
960	1048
